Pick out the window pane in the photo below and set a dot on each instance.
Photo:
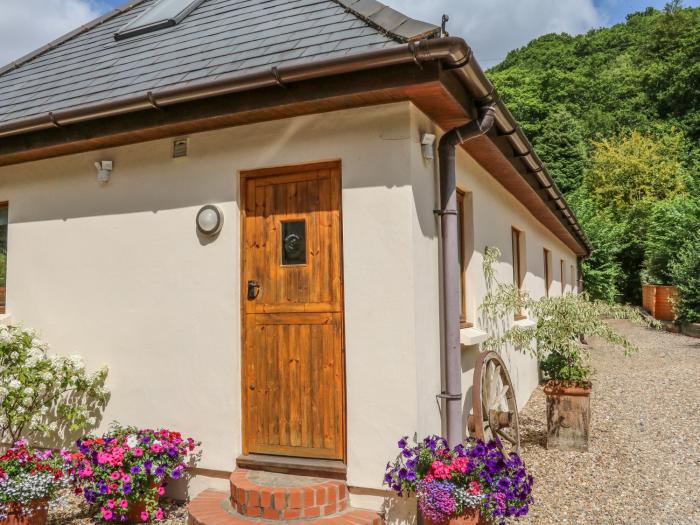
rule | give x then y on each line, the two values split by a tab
293	242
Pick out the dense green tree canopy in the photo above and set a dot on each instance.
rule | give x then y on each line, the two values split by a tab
615	116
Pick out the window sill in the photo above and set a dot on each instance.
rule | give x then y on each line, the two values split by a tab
524	322
472	336
5	319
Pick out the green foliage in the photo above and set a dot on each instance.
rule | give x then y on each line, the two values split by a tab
685	273
615	115
560	322
44	396
633	170
670	223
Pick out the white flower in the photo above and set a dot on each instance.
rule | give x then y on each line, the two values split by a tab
15	384
14	356
29	391
132	440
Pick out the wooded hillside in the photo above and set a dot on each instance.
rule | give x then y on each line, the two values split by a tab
615	115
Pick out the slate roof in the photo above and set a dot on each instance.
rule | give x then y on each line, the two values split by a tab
219	38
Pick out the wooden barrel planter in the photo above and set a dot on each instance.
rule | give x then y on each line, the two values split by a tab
568	416
658	300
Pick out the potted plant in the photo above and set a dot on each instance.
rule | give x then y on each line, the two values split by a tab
29	480
123	474
472	483
564	360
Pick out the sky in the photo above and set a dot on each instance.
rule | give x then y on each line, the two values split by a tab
491	27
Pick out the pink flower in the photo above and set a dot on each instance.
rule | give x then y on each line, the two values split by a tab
110	504
107	514
460	464
159	514
156	448
145	516
115	475
474	488
161	490
124	504
439	470
138	452
126	478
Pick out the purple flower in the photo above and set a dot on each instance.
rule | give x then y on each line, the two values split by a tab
403	443
148	465
435	500
127	488
135	469
160	470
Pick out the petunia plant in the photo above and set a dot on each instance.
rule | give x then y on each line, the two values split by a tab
450	482
29	480
44	396
124	473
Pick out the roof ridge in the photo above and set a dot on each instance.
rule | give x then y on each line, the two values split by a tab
129	5
372	8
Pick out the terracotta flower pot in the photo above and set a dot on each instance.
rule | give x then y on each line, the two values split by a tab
34	513
472	517
568	415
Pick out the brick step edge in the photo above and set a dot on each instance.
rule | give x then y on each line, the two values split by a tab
209	508
286	503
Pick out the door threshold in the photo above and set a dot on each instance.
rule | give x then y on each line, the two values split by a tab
321	468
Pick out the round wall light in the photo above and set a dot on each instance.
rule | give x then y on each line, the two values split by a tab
209	220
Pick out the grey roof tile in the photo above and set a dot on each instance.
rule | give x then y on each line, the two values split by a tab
220	37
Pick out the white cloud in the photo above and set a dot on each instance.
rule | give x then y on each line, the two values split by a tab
26	25
494	27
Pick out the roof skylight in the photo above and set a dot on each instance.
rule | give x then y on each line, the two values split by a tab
164	13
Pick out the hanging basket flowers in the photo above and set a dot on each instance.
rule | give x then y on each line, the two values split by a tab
29	480
466	484
123	474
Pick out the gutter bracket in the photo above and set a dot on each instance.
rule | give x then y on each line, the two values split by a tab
278	78
445	395
53	120
414	52
152	100
445	212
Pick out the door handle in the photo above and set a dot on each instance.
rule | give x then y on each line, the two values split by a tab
253	289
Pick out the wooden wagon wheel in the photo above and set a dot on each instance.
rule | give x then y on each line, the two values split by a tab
494	408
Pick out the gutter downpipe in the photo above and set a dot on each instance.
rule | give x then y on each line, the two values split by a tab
449	228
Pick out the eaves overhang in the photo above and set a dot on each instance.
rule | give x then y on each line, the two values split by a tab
30	139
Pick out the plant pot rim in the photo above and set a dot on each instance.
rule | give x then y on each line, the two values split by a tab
568	388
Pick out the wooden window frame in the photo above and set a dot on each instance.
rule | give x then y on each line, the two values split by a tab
561	275
461	218
3	305
516	236
573	278
547	270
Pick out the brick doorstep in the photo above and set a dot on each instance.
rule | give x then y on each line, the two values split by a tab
213	507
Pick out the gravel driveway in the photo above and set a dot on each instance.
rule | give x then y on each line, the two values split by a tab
643	466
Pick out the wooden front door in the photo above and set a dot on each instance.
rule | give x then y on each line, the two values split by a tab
293	361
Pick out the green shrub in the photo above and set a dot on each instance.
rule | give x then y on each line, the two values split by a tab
685	272
669	224
44	396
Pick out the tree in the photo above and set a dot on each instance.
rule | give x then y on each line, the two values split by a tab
634	170
685	273
670	223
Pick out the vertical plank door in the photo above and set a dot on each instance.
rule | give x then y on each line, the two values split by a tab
293	363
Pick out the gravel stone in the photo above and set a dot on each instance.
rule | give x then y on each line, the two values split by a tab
643	465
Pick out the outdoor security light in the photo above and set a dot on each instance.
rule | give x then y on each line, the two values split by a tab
426	145
209	220
104	170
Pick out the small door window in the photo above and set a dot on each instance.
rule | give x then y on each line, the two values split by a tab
293	243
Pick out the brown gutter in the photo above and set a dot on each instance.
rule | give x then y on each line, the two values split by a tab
454	53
